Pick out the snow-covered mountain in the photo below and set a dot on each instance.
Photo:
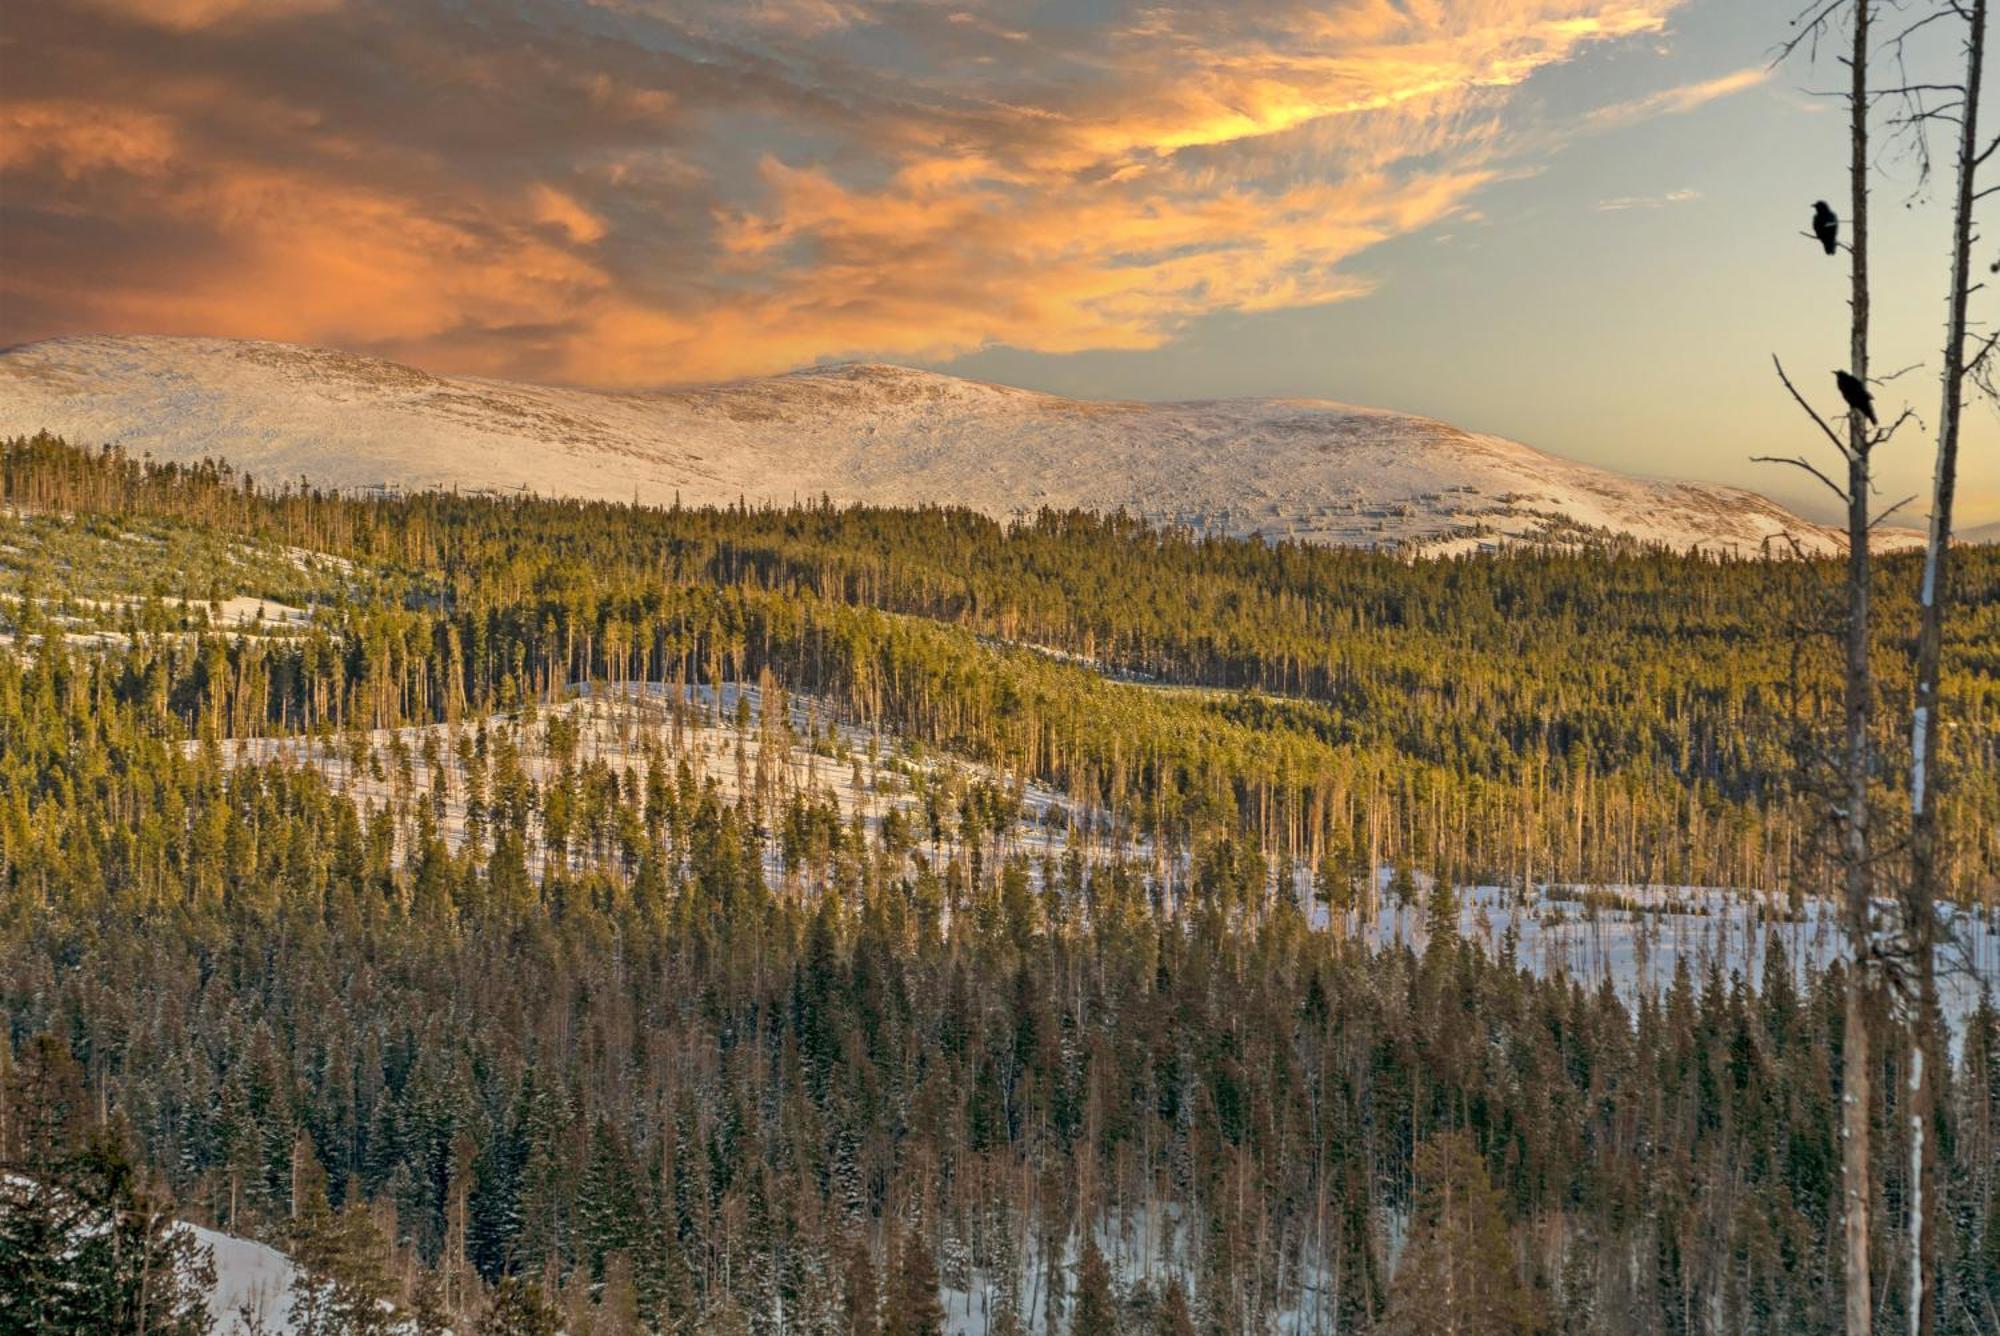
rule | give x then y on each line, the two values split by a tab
1299	468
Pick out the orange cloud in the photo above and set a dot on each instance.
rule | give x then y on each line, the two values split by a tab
1686	97
78	139
187	15
560	210
637	191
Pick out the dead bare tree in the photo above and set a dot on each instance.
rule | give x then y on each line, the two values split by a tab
1916	957
1851	809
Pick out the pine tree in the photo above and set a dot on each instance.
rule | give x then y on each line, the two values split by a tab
1441	918
860	1301
520	1309
913	1308
1173	1318
1458	1275
1096	1311
618	1301
1403	885
344	1287
429	1315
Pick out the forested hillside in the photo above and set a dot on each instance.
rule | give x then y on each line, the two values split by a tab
415	885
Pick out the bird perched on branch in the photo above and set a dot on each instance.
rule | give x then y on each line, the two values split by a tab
1826	226
1859	400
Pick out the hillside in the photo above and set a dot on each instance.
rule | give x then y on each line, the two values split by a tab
1309	469
708	920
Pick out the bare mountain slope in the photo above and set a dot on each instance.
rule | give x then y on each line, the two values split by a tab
1301	468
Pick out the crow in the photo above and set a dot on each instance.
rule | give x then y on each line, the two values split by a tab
1859	400
1826	226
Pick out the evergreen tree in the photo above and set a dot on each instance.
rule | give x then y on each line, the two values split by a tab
1458	1275
912	1307
1173	1318
343	1288
861	1301
520	1309
1441	917
1096	1311
1403	886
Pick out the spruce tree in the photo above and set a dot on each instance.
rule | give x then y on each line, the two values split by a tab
1458	1275
861	1301
912	1307
1096	1312
85	1243
1173	1318
519	1308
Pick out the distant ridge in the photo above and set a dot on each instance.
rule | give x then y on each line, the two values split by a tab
1305	469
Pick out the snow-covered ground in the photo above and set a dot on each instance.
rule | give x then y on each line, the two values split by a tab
624	728
1146	1248
1637	935
1309	469
238	612
1632	935
253	1284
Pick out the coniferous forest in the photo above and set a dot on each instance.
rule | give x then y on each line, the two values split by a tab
537	916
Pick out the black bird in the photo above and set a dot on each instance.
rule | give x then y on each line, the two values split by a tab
1859	400
1826	226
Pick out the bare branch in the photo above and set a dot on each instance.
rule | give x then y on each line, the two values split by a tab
1881	436
1985	349
1811	412
1876	523
1809	25
1915	26
1806	464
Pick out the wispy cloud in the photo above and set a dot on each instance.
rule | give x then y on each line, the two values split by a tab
638	191
1623	202
1684	98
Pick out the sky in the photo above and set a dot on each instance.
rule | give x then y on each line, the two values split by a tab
1577	223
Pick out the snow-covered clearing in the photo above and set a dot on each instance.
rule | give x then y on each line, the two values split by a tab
1636	936
238	612
724	736
253	1284
1632	935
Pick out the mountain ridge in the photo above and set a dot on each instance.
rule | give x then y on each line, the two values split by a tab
1315	470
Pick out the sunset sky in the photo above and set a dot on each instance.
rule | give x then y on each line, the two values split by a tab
1574	222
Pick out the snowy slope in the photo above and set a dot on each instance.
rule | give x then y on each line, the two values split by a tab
253	1284
1300	468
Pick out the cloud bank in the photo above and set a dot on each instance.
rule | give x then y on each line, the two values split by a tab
633	192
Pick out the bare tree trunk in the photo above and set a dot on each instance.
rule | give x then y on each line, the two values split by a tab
1856	1060
1926	1057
